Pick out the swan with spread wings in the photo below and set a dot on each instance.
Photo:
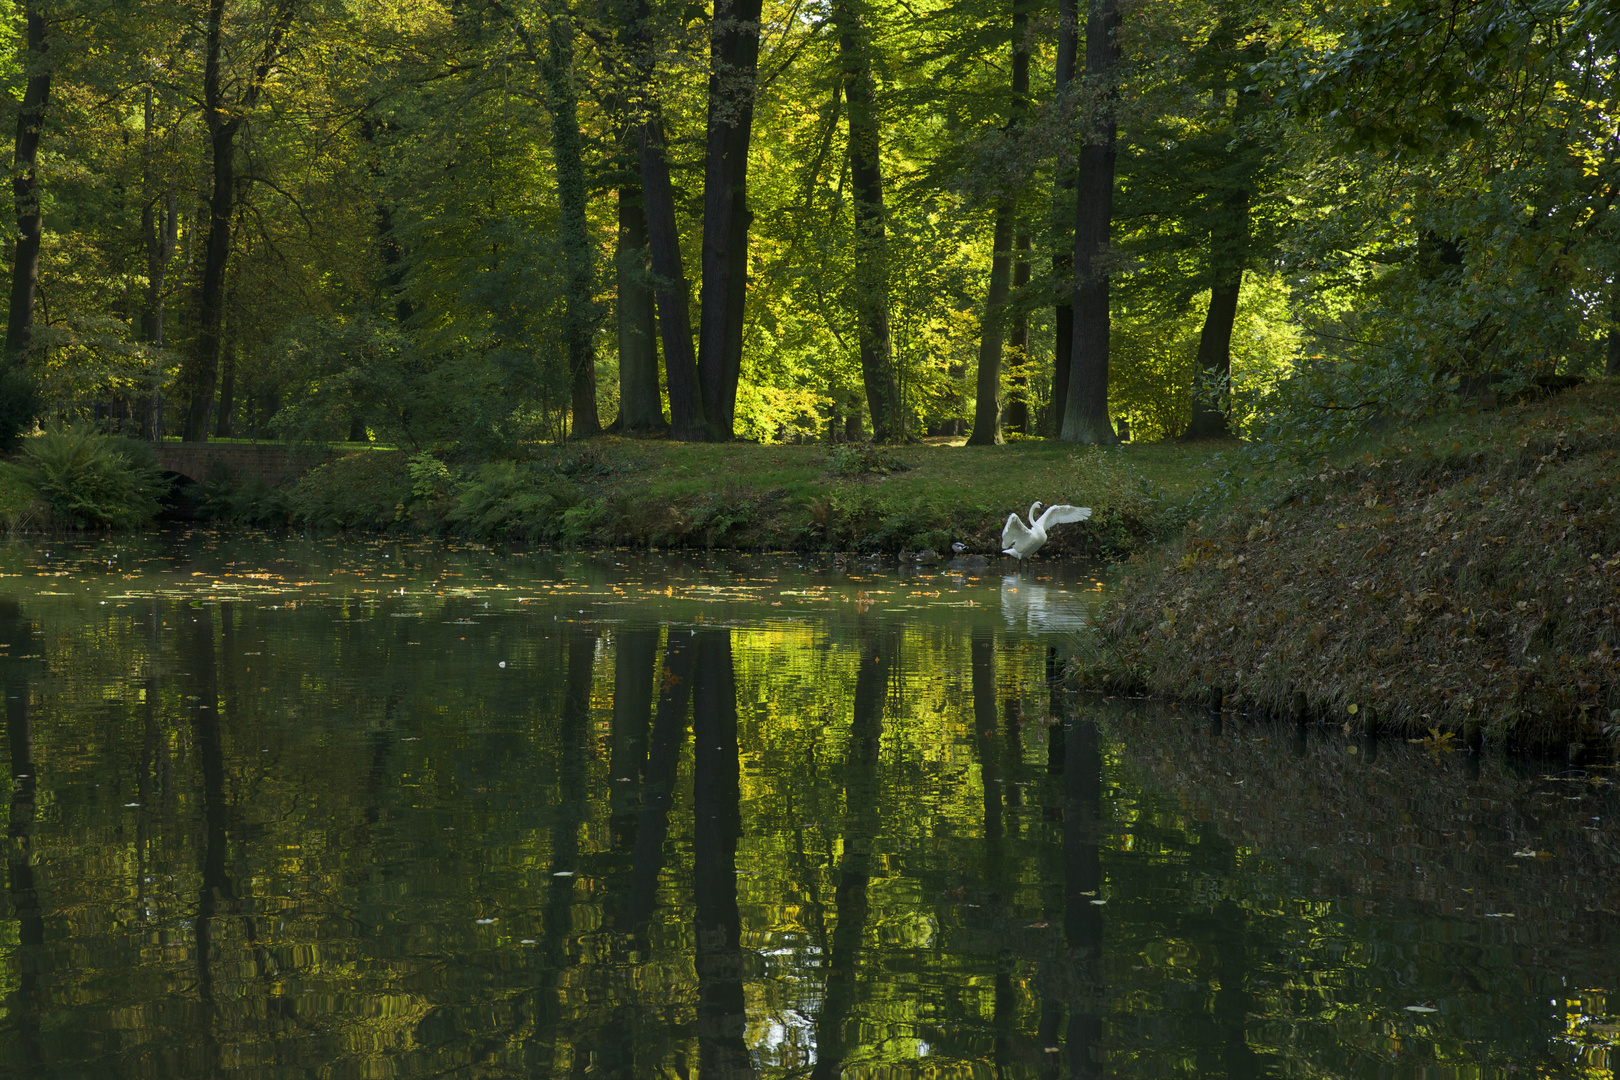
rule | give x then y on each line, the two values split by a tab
1021	541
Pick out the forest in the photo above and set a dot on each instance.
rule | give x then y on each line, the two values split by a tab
471	226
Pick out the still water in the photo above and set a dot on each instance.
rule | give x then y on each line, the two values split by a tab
326	809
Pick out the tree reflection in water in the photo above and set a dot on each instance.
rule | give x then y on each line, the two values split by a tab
328	838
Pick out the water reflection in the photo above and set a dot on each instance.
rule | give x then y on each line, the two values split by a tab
544	817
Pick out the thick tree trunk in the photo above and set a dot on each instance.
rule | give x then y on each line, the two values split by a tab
1016	416
198	377
224	120
871	239
567	152
987	391
687	420
1085	419
1215	361
1063	247
1229	249
25	188
640	407
733	64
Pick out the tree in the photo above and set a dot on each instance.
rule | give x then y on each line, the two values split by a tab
871	270
1085	418
556	66
987	398
688	420
25	184
733	63
225	116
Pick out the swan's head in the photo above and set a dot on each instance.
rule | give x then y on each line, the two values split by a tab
1035	507
959	547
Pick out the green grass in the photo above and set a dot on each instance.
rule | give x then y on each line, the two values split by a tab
659	493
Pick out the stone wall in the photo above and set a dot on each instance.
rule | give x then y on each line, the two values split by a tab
275	464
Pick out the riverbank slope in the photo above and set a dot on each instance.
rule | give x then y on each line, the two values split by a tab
1463	576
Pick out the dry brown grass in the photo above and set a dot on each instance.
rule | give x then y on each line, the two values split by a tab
1468	570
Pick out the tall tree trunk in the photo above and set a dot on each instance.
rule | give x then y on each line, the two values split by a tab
687	419
871	240
1016	414
987	397
24	187
1085	420
227	382
1210	392
640	407
160	222
198	377
567	150
224	120
1063	246
733	65
987	390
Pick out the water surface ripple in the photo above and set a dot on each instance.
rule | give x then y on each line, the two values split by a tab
307	808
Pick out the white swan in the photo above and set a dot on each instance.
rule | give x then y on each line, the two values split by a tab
1021	542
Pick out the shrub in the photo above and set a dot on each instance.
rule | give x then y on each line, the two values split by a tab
360	491
505	500
20	505
19	404
859	460
253	502
93	480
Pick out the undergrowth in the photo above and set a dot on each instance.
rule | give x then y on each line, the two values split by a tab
1464	572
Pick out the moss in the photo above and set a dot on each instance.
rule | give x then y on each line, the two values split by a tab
1465	571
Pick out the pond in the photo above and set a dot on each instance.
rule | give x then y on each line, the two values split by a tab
308	808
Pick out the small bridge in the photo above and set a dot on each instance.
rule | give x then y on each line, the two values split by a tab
273	463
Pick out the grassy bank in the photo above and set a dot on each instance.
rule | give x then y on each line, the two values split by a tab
1461	576
659	494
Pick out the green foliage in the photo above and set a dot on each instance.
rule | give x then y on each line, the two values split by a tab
19	404
92	480
505	500
862	460
360	491
252	502
21	508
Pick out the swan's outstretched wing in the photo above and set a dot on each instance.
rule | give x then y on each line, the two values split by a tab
1063	514
1014	533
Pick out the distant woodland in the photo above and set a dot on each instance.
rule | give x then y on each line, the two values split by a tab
471	225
